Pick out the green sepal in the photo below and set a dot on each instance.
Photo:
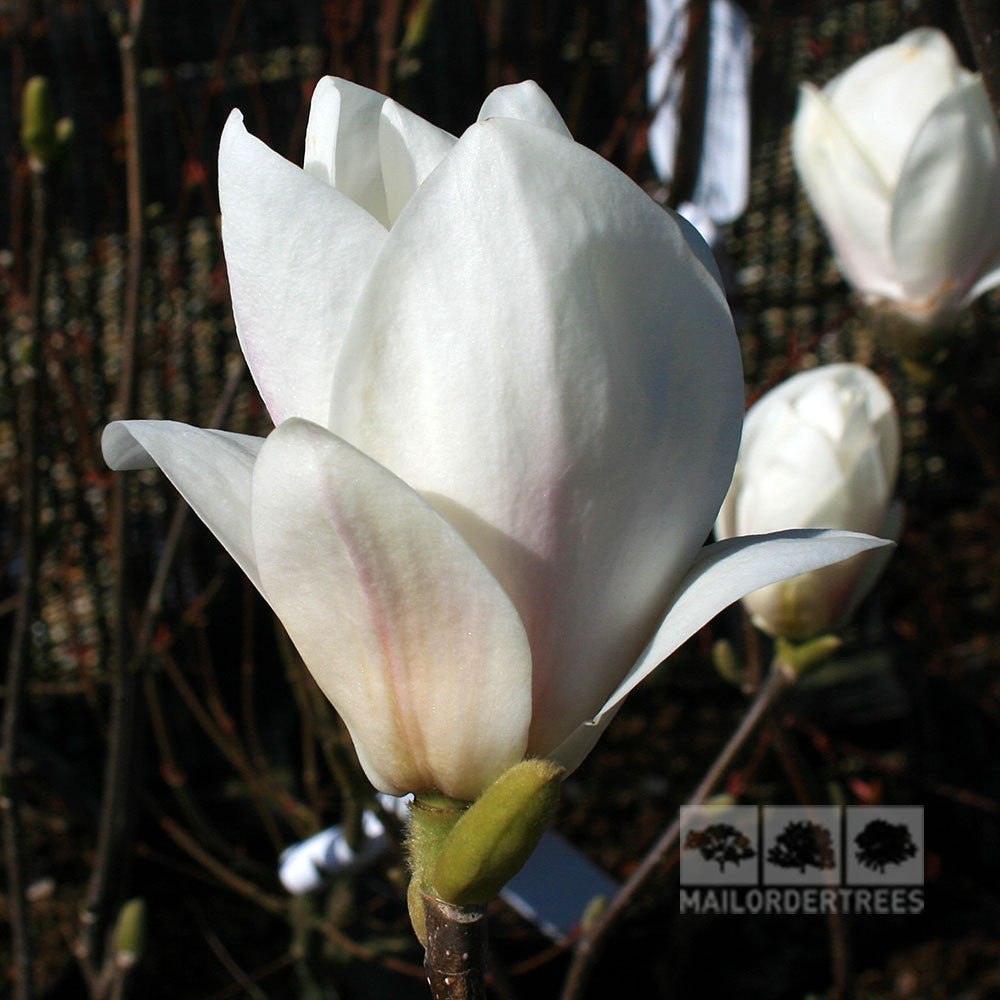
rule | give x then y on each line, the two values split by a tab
496	835
130	933
802	657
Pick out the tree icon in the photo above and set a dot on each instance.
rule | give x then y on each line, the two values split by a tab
803	845
882	843
721	843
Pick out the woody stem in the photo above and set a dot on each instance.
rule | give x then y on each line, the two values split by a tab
455	957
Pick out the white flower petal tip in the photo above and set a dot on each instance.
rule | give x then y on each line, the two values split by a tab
900	157
405	630
525	101
296	253
410	149
342	143
728	570
211	469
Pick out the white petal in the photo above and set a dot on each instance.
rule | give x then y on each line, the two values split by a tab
575	748
725	572
297	252
342	142
989	280
540	355
211	469
847	192
404	629
527	102
885	97
320	160
410	149
944	221
699	246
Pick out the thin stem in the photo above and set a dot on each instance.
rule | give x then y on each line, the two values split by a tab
982	25
797	774
116	806
19	661
589	944
455	959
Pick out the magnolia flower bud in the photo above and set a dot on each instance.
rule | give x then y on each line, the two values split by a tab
507	399
819	451
900	157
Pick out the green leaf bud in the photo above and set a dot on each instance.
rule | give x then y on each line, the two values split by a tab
38	122
130	933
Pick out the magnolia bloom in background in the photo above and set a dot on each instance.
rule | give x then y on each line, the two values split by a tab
819	451
507	401
900	157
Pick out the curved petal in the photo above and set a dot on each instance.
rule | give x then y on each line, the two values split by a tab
342	142
944	218
320	158
574	749
527	102
410	149
699	246
540	354
297	253
404	629
211	469
847	192
887	95
726	571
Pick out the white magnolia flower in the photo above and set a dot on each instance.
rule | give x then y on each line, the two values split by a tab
507	397
900	157
819	451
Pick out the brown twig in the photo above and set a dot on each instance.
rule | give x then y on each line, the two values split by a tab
228	747
589	944
455	960
275	905
19	660
982	25
800	780
116	806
